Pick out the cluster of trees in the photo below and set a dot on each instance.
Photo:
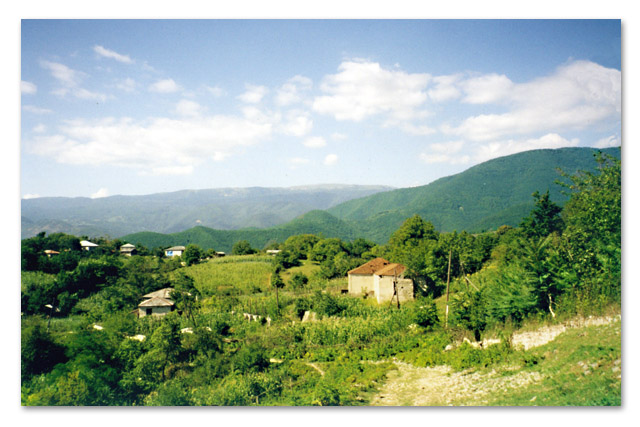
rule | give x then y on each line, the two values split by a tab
559	259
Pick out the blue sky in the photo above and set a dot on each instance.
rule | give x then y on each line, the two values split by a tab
142	106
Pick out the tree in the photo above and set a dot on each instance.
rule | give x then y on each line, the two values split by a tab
185	295
39	353
242	247
192	254
544	219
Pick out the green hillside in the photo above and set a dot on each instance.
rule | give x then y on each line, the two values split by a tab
314	222
483	197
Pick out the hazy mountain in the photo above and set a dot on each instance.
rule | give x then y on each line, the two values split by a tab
224	209
484	197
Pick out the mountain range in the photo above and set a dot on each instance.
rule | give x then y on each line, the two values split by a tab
481	198
223	208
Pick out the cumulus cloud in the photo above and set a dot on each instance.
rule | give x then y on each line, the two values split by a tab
160	146
315	142
492	150
28	88
364	89
486	89
445	88
164	86
297	123
103	192
253	94
610	141
575	96
106	53
331	159
188	108
293	91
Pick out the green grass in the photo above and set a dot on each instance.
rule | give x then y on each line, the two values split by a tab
582	367
231	275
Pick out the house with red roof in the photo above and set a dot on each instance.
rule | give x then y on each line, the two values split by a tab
381	279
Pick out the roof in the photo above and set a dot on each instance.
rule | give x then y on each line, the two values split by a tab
176	248
156	302
86	243
162	293
391	270
127	246
370	267
51	252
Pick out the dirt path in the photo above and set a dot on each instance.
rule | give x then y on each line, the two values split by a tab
440	386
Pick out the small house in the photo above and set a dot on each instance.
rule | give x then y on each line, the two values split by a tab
127	249
174	251
50	252
156	303
273	252
381	279
86	245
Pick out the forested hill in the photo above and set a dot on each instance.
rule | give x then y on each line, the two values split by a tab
315	222
223	208
483	197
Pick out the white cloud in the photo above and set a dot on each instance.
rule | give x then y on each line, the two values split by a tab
576	96
337	136
40	128
30	196
111	54
188	108
492	150
36	110
215	91
610	141
103	192
28	88
446	152
331	159
293	91
297	123
159	146
127	85
253	94
70	80
315	142
164	86
446	88
65	75
364	89
486	89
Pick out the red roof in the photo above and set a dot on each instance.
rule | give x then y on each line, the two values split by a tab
391	270
370	267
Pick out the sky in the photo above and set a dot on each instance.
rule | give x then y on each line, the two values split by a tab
114	107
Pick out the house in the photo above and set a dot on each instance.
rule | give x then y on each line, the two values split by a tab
127	249
174	251
380	278
273	252
87	245
156	303
51	252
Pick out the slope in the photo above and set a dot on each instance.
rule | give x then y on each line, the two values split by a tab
483	197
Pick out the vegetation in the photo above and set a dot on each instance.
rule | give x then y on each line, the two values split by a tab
237	335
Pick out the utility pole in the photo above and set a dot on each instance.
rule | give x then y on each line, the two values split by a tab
446	312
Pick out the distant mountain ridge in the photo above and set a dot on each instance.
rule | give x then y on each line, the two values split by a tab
225	209
484	197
